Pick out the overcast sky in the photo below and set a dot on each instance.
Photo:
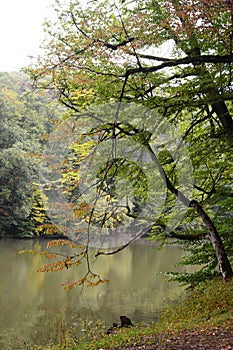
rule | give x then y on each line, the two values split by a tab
21	31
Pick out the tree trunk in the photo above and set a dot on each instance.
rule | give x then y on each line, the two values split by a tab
213	95
224	116
222	259
220	108
216	241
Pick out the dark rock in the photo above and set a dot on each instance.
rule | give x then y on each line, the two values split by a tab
125	321
112	329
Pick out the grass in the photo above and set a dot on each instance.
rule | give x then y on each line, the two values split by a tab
209	305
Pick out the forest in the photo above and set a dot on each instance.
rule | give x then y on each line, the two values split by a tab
129	119
26	119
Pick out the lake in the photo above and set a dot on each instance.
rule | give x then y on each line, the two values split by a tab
35	308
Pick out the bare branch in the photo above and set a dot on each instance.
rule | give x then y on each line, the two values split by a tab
116	46
115	251
151	57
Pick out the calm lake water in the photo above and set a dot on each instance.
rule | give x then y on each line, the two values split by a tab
35	309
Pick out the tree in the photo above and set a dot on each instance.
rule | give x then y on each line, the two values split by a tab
109	51
25	120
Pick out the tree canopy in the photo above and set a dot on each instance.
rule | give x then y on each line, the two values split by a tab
174	58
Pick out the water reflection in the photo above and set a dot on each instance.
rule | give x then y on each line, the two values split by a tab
34	308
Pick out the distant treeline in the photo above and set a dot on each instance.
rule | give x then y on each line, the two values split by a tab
26	119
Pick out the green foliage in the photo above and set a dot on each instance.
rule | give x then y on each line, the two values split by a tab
26	118
209	303
111	51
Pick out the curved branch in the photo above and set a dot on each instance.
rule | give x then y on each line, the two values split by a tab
186	60
115	251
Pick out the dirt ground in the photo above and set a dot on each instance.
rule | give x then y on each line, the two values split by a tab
216	338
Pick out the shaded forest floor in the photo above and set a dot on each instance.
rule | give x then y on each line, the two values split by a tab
216	338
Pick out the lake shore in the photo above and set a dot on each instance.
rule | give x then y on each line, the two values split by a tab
202	321
36	309
217	338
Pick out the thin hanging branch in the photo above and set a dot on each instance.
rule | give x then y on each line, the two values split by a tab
115	251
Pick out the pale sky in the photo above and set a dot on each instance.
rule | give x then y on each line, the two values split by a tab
21	31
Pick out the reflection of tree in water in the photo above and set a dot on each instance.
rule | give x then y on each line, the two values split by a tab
33	305
142	293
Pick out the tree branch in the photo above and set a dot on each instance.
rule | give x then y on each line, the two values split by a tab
116	46
186	60
115	251
151	57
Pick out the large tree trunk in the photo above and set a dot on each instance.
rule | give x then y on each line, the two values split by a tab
222	259
220	109
215	239
213	94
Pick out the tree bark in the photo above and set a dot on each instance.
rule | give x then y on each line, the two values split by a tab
221	110
217	102
223	261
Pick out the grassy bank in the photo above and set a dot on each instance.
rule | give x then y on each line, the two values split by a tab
209	305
